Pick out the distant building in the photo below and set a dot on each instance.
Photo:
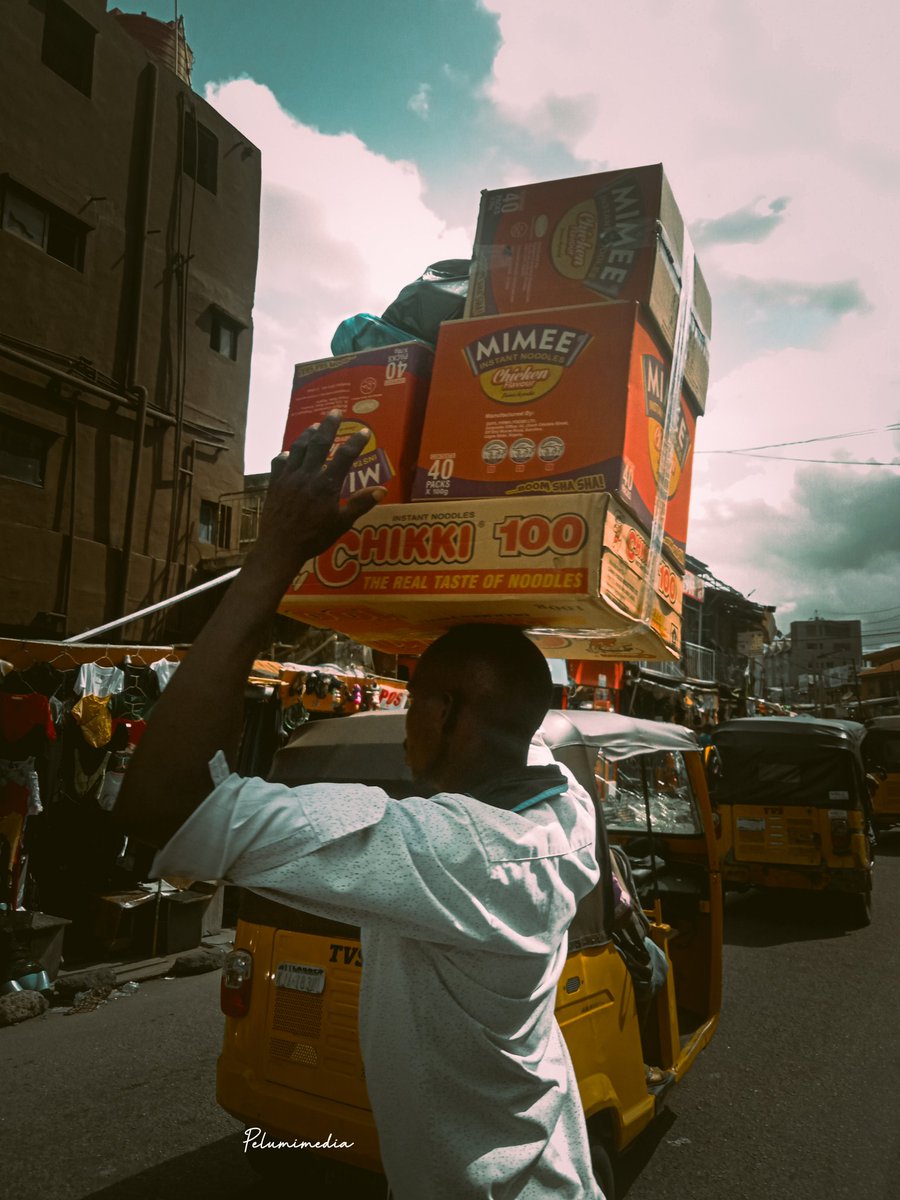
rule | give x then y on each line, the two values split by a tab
877	658
879	682
721	673
776	666
825	653
129	218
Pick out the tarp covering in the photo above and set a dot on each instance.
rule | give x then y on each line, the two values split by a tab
881	747
775	761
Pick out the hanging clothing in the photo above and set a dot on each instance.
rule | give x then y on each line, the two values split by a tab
133	729
164	669
94	680
20	714
92	714
19	788
138	695
88	782
43	677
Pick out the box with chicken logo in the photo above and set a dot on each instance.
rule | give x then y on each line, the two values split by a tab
593	238
556	403
383	389
571	569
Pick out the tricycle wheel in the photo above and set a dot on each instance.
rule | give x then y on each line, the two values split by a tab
603	1171
858	907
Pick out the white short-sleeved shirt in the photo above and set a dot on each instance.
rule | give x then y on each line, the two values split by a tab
93	680
464	911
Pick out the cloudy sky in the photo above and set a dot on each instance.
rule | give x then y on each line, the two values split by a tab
776	121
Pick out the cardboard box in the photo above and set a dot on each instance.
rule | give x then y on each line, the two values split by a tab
613	236
560	401
385	389
570	568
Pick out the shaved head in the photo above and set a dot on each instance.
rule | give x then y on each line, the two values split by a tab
496	672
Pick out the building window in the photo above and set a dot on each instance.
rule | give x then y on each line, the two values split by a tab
224	532
40	223
200	155
223	335
209	513
68	45
215	524
23	451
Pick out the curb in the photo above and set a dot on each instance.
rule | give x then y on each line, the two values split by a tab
141	970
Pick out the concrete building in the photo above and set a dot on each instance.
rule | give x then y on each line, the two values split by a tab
824	654
720	675
129	217
879	682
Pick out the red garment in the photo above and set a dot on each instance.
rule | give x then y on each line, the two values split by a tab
20	714
135	728
13	798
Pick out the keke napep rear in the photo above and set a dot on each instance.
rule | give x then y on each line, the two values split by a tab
881	753
794	807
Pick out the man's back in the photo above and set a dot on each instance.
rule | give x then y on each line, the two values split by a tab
468	1071
464	910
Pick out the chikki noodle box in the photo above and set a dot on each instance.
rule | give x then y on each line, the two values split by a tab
554	403
570	568
594	238
382	389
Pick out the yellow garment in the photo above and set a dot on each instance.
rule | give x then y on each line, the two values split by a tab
92	714
11	826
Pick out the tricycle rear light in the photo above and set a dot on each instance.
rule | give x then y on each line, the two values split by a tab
237	979
840	835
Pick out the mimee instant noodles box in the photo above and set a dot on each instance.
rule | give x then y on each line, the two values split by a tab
556	403
382	389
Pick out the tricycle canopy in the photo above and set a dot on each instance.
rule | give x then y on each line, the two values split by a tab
794	761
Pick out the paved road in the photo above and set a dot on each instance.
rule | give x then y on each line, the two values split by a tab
119	1104
796	1096
795	1099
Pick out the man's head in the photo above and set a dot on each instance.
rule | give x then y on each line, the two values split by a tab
478	694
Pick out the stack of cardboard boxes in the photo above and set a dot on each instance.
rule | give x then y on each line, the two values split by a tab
536	447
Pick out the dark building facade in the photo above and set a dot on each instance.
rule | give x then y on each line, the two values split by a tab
819	646
129	224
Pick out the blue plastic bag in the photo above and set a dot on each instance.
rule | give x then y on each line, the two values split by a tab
365	332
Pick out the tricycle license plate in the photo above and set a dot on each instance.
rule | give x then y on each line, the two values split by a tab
300	977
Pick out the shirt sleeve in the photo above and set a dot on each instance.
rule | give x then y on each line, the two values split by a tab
347	852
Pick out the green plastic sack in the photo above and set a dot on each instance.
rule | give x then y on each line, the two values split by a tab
439	294
365	332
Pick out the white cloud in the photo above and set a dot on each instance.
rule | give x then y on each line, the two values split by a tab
342	230
420	101
776	126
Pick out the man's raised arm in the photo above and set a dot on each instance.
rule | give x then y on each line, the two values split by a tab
201	710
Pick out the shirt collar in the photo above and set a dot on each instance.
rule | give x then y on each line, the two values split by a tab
520	788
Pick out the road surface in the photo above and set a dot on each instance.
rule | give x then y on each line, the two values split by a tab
795	1098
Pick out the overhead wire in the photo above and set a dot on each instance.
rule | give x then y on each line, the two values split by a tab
869	612
827	437
828	462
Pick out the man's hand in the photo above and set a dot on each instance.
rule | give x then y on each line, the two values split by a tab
201	710
303	514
